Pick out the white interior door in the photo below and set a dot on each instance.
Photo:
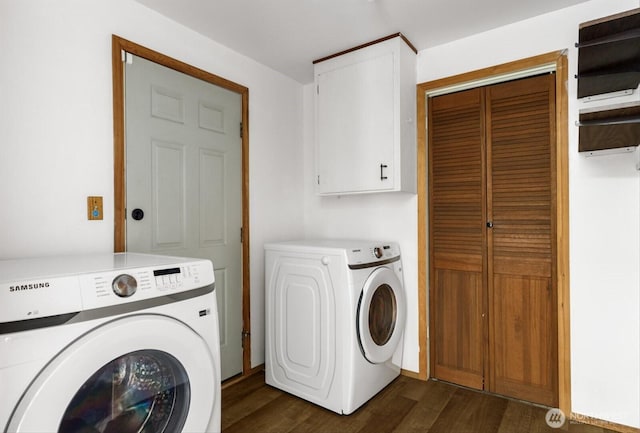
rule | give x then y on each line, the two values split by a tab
184	181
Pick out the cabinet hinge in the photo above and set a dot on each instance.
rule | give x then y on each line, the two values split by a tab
318	179
241	235
240	129
318	89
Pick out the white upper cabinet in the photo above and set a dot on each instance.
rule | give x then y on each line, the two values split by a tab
365	120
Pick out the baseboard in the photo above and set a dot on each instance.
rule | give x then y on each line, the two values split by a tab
585	419
239	378
411	374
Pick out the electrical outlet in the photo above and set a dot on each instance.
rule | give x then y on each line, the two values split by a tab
94	208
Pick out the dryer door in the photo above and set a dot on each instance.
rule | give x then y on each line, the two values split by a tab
145	374
381	315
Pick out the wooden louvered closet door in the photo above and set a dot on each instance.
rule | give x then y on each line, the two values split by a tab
457	236
492	231
522	290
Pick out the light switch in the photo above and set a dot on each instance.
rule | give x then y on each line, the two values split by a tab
94	208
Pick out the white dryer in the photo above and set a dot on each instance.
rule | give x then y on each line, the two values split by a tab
335	319
109	343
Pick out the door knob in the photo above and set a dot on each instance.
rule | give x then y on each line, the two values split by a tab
137	214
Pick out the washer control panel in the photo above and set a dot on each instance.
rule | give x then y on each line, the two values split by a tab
109	288
44	287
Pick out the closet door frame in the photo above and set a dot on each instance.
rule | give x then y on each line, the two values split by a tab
555	61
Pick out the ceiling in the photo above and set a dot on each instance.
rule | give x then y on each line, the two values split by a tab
287	35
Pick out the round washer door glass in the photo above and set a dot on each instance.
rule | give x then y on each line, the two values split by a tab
381	315
146	391
132	371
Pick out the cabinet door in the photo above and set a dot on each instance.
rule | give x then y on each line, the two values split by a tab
356	127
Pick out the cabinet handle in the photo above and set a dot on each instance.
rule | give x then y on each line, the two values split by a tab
382	176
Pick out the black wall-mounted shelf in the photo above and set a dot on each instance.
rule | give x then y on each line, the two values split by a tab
612	128
609	54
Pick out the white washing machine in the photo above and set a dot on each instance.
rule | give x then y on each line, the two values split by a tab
109	343
335	318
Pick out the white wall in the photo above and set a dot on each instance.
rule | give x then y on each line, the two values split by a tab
56	143
604	218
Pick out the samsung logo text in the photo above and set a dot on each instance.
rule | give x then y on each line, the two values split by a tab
30	286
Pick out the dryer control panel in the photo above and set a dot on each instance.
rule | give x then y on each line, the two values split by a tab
373	254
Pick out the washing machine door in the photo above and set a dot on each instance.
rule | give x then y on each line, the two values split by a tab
145	374
381	315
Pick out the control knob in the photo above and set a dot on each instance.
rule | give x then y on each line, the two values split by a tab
377	251
124	285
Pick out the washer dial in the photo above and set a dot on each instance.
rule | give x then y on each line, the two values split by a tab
124	285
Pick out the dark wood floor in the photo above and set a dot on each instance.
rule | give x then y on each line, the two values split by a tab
406	405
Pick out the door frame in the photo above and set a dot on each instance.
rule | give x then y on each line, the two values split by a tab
118	45
555	61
